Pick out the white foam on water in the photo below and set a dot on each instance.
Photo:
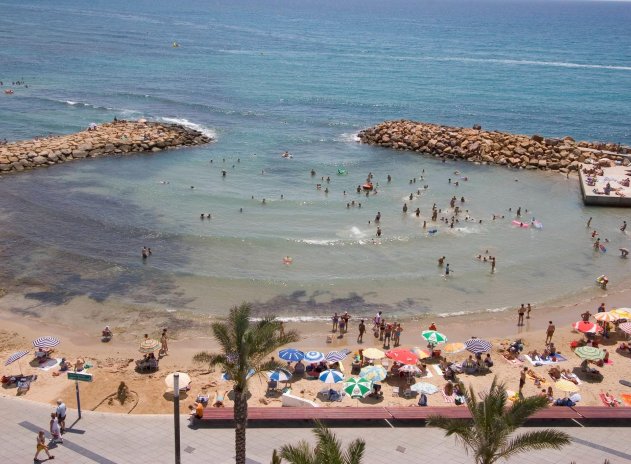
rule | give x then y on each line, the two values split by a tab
347	137
186	123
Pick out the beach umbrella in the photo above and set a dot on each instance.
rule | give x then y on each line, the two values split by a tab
565	386
46	342
183	382
148	345
422	354
624	313
433	337
280	375
477	345
357	387
402	356
410	369
453	348
16	357
606	317
291	354
424	387
587	327
589	352
314	356
331	376
373	353
373	373
337	356
625	327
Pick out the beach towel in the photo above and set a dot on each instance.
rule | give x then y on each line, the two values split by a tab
571	378
49	364
427	375
448	399
514	362
626	398
560	358
606	403
438	370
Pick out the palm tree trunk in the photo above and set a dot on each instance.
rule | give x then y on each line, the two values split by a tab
241	422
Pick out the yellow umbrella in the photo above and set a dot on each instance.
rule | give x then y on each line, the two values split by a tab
453	347
606	317
373	353
566	386
623	313
422	354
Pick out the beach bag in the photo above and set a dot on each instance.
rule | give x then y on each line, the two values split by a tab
422	400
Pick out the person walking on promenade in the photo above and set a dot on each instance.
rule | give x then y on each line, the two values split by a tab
522	380
550	332
61	415
520	315
362	329
41	446
55	431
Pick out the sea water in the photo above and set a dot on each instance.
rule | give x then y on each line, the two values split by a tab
265	77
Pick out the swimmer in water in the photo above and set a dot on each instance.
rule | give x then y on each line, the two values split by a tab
441	261
378	231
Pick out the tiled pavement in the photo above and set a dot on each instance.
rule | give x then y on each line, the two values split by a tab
113	438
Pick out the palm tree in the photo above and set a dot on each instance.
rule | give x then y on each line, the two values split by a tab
327	451
489	435
245	345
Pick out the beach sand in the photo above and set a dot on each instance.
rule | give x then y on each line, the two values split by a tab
79	323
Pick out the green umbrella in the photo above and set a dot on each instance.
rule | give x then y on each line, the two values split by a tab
433	337
357	387
589	352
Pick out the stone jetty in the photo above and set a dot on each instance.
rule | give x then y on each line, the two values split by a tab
489	147
114	138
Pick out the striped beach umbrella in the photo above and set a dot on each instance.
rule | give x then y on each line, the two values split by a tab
625	327
148	345
410	369
402	356
433	337
280	375
337	356
291	354
16	357
421	353
331	376
314	356
225	376
45	342
357	387
373	373
373	353
589	352
587	327
606	317
424	387
477	345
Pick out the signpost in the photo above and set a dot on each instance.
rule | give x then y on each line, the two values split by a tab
79	377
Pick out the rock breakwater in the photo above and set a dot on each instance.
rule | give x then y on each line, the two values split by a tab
488	147
114	138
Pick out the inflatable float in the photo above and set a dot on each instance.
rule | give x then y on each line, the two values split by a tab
537	225
341	172
525	225
367	186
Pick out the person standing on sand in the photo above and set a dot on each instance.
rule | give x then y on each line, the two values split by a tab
397	334
362	329
522	380
550	332
164	343
345	318
520	314
528	309
281	329
382	329
601	308
41	446
387	335
336	320
377	319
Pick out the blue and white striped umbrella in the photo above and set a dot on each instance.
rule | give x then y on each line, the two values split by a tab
225	376
291	354
331	376
336	356
477	345
45	342
280	375
15	356
314	356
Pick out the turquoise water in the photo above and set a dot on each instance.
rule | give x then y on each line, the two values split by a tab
265	78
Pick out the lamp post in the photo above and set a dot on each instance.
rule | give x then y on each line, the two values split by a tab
176	415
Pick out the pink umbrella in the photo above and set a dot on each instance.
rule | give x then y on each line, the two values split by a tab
587	327
402	356
625	327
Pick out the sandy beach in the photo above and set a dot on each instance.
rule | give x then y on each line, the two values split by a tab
79	322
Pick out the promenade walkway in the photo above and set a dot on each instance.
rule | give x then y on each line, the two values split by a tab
115	438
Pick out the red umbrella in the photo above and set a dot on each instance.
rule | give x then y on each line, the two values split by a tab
587	327
402	356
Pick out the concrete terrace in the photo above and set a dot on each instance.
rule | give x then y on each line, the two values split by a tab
613	175
116	438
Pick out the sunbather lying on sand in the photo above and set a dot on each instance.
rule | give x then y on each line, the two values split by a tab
219	399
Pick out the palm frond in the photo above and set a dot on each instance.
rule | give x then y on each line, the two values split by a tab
355	452
299	454
535	440
522	409
329	447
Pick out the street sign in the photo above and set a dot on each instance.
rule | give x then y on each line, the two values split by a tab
80	376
